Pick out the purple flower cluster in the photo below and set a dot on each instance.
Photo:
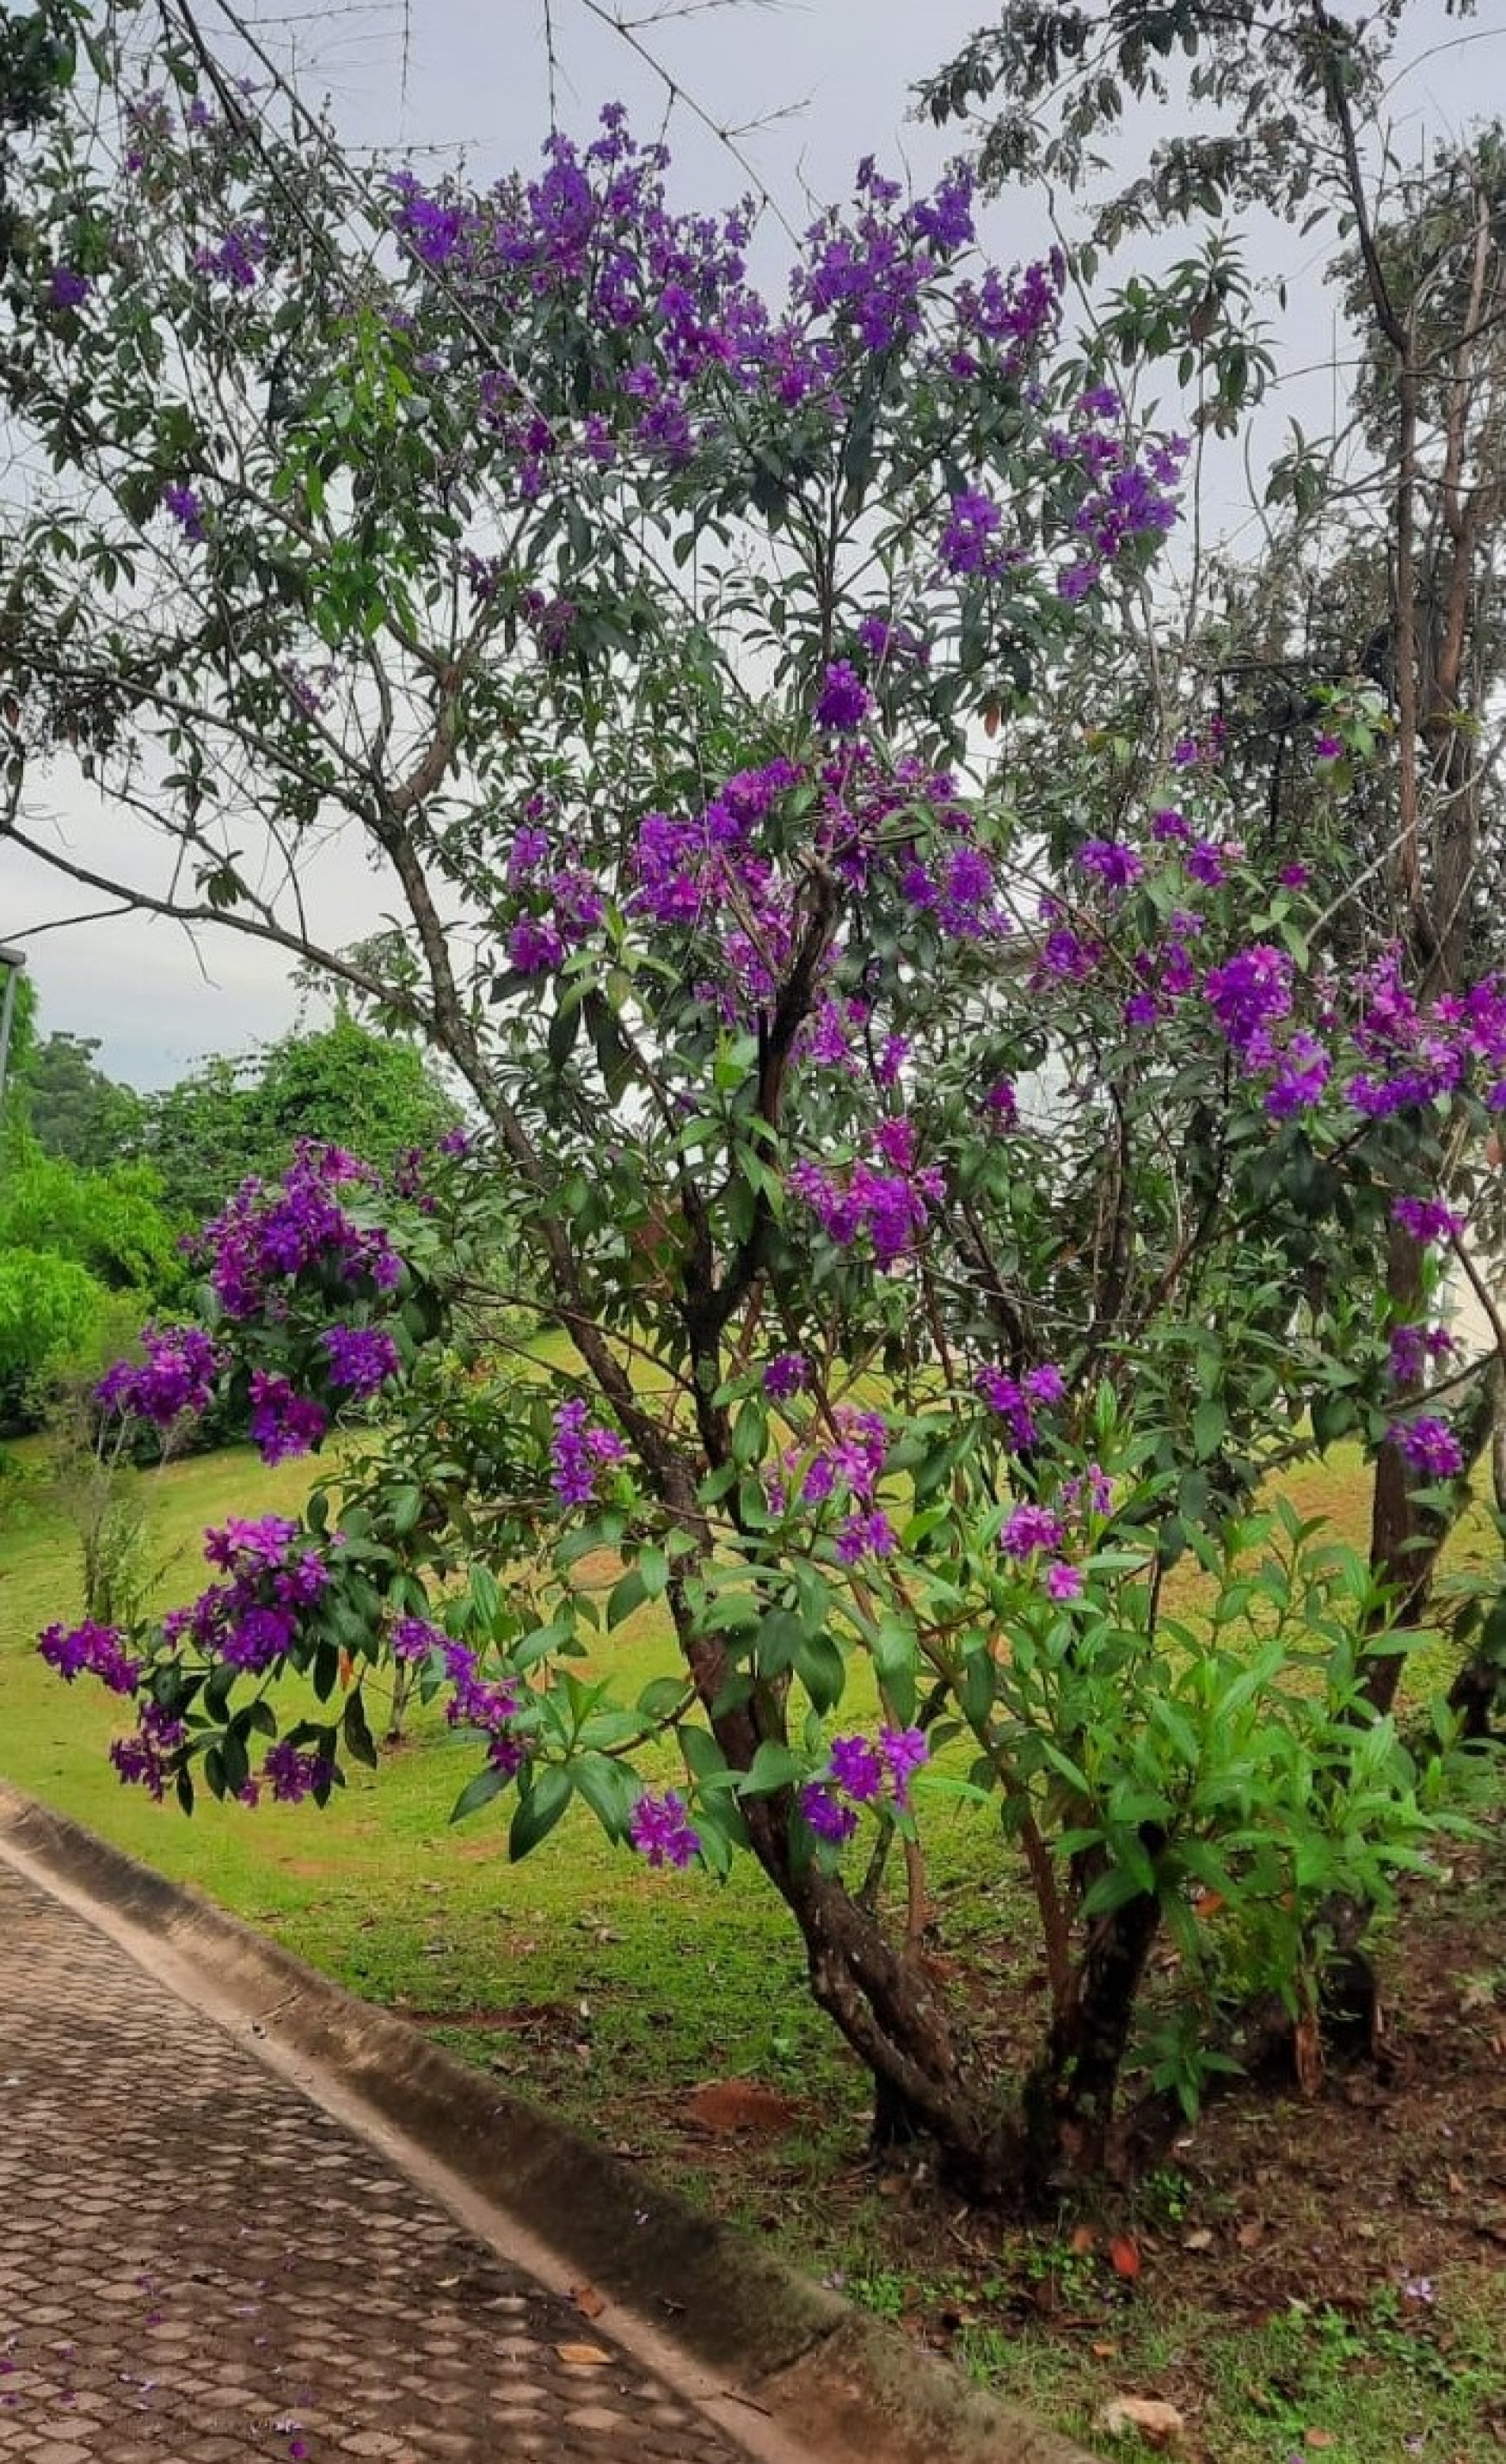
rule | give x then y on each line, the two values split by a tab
236	258
293	1773
851	1468
361	1359
148	1758
66	287
968	543
266	1237
91	1650
1249	994
187	508
488	1703
1428	1446
670	332
844	702
887	1202
283	1422
787	1374
415	1639
581	1451
1415	1349
659	1828
856	1770
1028	1528
1426	1219
252	1619
1018	1400
177	1375
1111	863
1124	499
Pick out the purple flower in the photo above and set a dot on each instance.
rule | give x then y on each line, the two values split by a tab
1428	1446
145	1760
91	1650
904	1750
1029	1528
1426	1219
235	258
1046	1384
580	1450
283	1423
1108	860
1249	993
787	1374
865	1535
1002	1102
844	702
1294	876
186	508
361	1357
292	1775
1327	748
965	542
1413	1347
177	1375
659	1828
67	288
857	1769
827	1816
414	1638
536	946
1302	1071
1063	1581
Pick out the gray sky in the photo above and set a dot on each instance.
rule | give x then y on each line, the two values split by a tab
477	76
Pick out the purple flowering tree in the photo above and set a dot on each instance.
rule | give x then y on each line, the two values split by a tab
939	1223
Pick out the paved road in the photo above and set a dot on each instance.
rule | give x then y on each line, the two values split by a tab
197	2266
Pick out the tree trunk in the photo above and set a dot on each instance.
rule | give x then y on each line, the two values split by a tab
1069	2097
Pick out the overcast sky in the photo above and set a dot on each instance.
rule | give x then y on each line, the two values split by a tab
463	73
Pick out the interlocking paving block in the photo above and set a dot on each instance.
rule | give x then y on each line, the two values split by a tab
198	2266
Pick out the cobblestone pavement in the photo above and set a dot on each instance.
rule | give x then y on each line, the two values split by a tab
197	2266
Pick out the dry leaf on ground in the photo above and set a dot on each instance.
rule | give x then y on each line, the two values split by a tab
1159	2423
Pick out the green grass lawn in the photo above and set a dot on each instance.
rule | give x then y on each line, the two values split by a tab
611	1990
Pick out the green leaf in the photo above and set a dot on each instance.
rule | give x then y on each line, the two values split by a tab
540	1809
821	1669
626	1594
404	1505
607	1790
773	1766
355	1733
1209	1424
476	1792
894	1667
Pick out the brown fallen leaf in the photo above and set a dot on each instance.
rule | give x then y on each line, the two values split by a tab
1319	2438
1124	2256
1104	2352
588	2300
1083	2240
584	2357
1158	2424
1248	2233
726	2105
1198	2240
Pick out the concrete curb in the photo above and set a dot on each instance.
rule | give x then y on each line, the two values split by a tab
836	2384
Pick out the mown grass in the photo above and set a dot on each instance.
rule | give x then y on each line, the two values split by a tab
582	1976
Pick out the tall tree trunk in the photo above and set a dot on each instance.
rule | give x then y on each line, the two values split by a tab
1069	2097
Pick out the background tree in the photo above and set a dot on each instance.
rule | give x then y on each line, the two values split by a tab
343	1085
74	1110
